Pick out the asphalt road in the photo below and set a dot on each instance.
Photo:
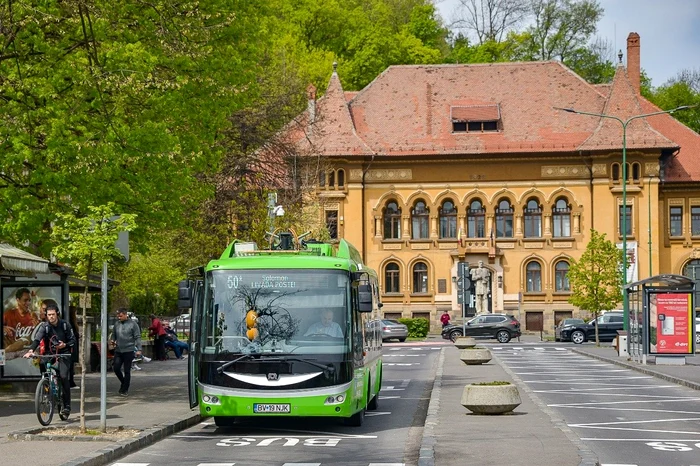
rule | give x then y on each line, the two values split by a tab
390	436
625	417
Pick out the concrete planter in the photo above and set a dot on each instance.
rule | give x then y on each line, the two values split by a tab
465	342
474	356
490	399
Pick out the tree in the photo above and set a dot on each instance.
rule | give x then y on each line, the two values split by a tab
119	102
683	89
596	278
86	240
490	20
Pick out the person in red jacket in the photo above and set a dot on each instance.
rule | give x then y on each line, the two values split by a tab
157	331
445	319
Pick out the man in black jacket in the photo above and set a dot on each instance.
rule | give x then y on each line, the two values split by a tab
58	338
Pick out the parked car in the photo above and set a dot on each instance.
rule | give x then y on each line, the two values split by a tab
393	329
608	325
502	327
566	324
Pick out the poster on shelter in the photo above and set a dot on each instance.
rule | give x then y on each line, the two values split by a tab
671	323
23	308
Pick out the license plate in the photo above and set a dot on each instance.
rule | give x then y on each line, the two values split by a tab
272	408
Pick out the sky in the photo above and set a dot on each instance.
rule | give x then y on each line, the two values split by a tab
669	32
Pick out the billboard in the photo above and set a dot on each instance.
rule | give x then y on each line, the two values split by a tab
23	309
671	323
632	269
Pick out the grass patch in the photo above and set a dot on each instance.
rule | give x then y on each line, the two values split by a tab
494	383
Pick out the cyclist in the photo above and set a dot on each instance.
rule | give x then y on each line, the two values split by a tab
58	338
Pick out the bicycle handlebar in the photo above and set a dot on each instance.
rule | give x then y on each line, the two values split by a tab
51	356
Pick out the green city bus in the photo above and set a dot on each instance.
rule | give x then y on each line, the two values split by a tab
290	331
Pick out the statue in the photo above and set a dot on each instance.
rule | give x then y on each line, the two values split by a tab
480	277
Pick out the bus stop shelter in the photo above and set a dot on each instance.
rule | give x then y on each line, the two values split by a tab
661	319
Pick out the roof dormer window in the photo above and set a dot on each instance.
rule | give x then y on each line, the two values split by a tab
475	118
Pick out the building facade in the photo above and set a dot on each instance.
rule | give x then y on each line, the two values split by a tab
432	165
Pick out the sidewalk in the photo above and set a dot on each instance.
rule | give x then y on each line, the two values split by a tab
157	405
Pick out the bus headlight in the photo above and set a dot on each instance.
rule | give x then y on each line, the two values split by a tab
211	399
334	400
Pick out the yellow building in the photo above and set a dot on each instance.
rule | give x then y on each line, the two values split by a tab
436	164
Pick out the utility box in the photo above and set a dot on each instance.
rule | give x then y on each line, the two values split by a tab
621	343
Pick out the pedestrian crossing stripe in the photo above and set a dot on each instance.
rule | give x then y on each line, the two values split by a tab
233	464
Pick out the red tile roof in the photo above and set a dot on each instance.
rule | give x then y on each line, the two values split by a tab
408	111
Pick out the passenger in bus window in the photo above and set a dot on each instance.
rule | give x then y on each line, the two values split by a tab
325	326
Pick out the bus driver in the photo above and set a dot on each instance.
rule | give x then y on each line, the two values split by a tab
326	326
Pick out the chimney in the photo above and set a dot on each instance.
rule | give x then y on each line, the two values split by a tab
311	96
633	68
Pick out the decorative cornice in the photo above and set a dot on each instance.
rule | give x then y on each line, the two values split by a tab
651	168
399	174
566	171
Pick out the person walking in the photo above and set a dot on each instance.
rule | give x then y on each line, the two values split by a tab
445	318
157	331
125	338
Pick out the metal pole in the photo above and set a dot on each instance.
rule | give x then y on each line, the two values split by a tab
103	352
625	302
649	222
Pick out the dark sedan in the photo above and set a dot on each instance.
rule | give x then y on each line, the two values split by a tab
567	324
502	327
608	325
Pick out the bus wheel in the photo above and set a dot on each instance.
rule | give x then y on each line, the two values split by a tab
356	419
221	421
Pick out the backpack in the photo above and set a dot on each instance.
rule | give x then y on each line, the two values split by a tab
45	343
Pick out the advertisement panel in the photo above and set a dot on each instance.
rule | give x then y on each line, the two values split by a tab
671	323
632	271
23	308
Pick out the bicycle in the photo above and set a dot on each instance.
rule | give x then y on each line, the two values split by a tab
49	391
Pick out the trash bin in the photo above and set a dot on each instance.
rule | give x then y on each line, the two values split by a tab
621	344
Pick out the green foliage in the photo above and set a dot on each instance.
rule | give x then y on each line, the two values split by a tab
596	278
494	383
675	94
417	328
87	240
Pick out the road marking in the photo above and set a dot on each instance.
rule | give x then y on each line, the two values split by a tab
377	413
387	464
301	464
405	382
401	364
403	355
130	464
391	388
389	397
216	464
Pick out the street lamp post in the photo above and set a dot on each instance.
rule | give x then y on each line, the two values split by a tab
623	225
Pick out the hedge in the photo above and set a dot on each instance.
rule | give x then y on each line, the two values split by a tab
417	328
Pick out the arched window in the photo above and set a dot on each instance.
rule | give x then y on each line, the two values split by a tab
561	276
420	221
533	276
392	221
476	225
692	271
331	179
636	171
504	219
533	219
616	173
448	220
420	277
561	218
341	178
322	179
391	278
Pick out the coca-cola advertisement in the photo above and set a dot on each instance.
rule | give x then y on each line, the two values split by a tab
23	309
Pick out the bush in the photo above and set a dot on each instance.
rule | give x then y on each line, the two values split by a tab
417	328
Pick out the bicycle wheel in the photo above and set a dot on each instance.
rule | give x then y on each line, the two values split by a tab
43	402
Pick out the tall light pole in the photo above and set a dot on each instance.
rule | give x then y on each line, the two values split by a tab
623	225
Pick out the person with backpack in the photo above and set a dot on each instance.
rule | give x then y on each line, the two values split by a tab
125	338
157	331
58	338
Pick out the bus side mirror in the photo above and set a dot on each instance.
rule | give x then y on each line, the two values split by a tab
364	301
184	294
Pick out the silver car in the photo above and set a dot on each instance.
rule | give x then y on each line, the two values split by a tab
393	329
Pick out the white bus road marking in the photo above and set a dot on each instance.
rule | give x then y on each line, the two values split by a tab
401	364
403	355
130	464
389	397
655	399
405	382
216	464
390	388
599	380
377	413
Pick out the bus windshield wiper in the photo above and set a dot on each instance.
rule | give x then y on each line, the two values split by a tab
220	370
281	357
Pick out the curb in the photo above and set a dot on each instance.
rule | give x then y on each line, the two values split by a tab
427	445
643	370
118	449
588	458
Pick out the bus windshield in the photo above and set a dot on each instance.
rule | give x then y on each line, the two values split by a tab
295	312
